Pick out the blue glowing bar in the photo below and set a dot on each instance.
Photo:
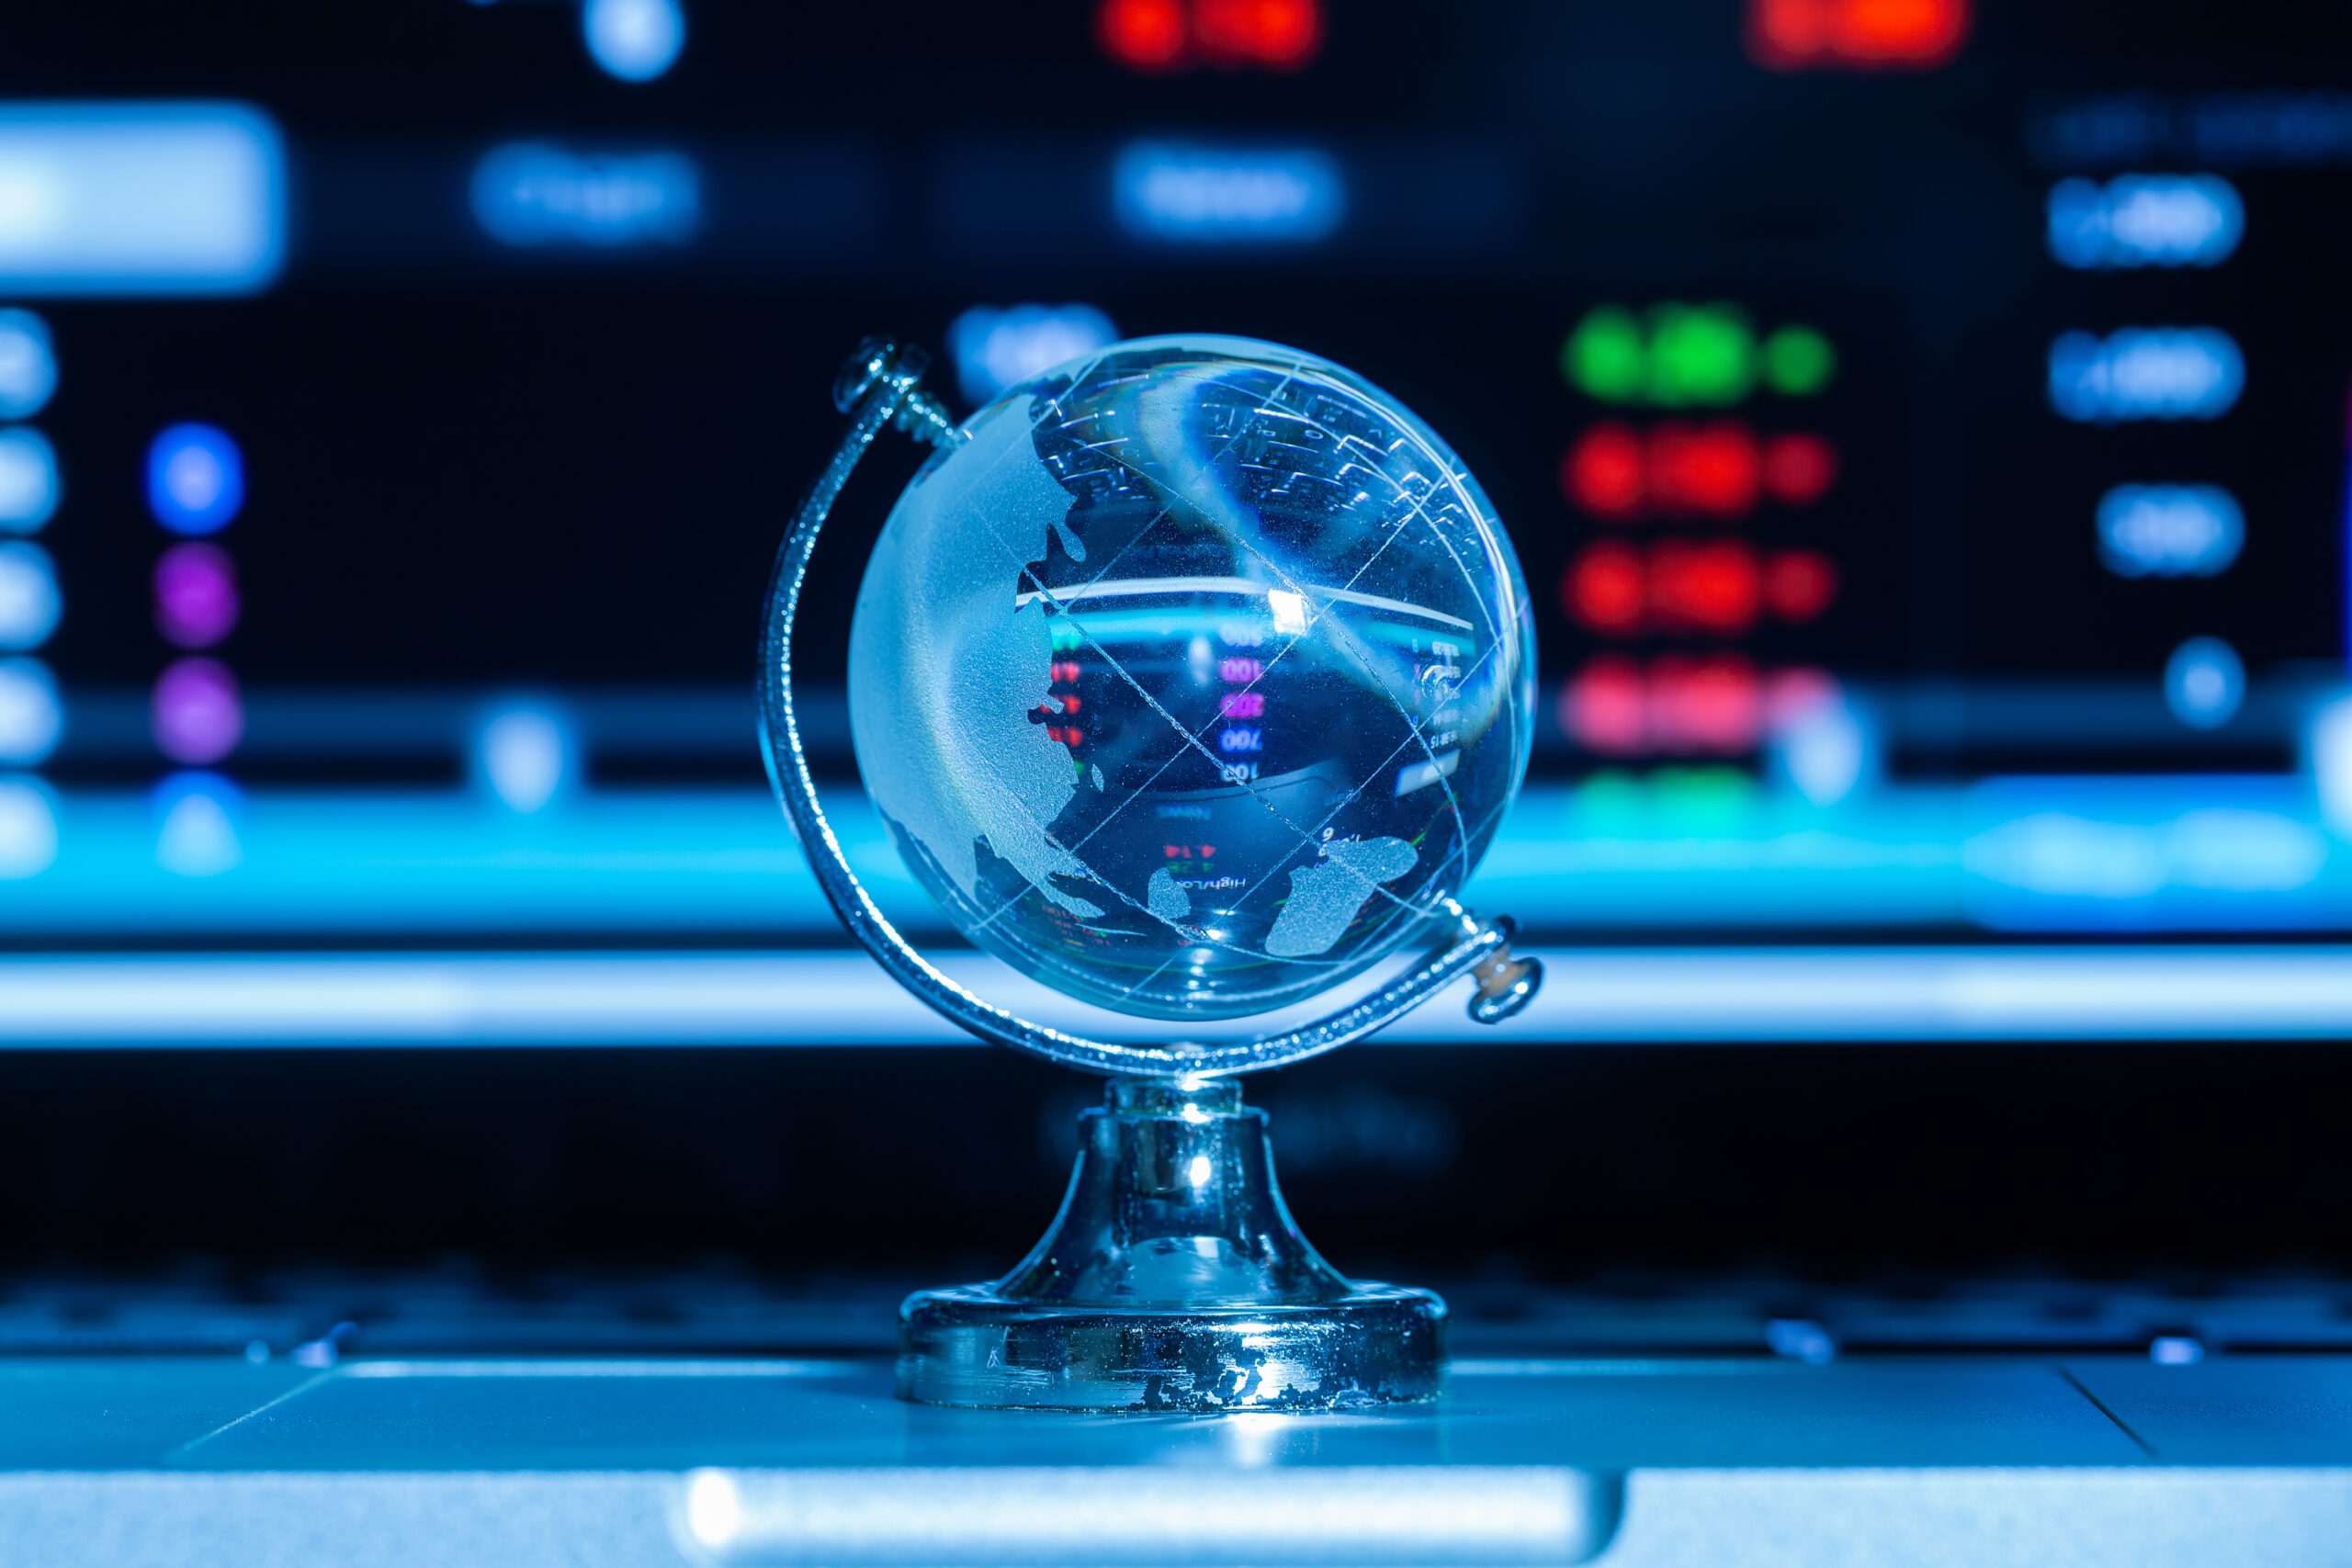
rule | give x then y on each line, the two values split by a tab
1657	994
140	199
2169	530
2145	220
529	194
1168	192
2145	372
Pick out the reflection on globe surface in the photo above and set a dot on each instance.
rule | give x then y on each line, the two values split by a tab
1193	678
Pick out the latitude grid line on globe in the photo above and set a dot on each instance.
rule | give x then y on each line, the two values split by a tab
1190	739
1416	507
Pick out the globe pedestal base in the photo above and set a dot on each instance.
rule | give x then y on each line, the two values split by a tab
968	1346
1172	1281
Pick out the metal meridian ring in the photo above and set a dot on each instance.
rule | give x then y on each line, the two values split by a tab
878	387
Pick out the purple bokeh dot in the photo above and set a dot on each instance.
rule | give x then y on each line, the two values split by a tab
195	595
197	712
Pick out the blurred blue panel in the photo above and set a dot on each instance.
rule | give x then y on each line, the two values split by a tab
2155	854
995	349
1421	199
2169	530
140	199
2145	372
2229	853
2277	1410
536	193
2145	220
1172	192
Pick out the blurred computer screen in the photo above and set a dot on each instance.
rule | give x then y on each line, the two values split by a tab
1922	426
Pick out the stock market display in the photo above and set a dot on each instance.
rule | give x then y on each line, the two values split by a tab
1923	426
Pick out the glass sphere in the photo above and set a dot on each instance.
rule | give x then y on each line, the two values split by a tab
1194	677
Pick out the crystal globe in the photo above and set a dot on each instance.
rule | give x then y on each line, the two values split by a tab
1194	677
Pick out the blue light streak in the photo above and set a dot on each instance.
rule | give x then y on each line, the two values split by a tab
1640	995
2167	852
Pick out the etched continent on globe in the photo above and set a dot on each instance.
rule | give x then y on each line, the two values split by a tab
1193	678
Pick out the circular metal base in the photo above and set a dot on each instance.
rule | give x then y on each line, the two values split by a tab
968	1345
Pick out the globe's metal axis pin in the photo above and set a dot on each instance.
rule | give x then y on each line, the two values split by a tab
918	414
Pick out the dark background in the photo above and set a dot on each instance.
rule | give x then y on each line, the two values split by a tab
474	468
1858	1162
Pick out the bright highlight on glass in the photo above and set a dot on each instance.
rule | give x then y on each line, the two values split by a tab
529	194
195	595
28	481
27	364
2204	683
2145	220
31	718
1168	192
196	478
29	603
2145	372
197	712
126	198
635	41
996	349
2169	530
27	830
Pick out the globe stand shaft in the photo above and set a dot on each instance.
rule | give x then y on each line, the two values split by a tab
1173	1279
